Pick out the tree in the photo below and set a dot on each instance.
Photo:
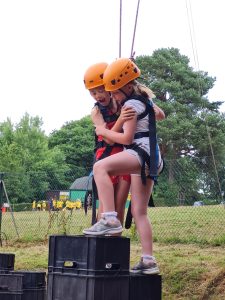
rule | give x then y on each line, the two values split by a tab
26	159
194	127
76	140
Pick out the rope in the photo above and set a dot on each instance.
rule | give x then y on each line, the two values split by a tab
135	25
120	30
195	54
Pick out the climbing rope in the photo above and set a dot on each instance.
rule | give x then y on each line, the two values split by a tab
120	31
134	32
196	61
135	26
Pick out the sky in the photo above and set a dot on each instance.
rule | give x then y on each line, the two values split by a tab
47	45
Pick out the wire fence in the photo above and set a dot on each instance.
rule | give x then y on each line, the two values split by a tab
189	206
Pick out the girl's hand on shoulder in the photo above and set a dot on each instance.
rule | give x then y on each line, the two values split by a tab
127	113
97	117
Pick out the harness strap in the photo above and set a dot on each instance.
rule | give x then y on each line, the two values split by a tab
102	144
139	135
108	118
94	201
145	160
153	159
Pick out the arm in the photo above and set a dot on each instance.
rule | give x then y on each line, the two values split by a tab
97	117
159	113
127	113
98	120
125	137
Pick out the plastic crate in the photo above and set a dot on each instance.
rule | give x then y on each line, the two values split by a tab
145	287
79	287
7	261
11	287
89	255
33	284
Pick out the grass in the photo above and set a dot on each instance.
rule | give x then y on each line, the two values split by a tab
188	271
189	245
204	225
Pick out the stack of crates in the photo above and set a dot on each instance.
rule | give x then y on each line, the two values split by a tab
145	287
88	268
33	284
96	268
7	261
20	285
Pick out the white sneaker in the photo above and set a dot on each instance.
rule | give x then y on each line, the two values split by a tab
145	268
103	227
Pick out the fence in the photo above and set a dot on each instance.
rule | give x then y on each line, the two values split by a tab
188	199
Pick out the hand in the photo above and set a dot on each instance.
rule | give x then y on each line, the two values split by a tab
100	129
97	117
127	113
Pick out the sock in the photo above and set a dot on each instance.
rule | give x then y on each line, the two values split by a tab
110	215
146	258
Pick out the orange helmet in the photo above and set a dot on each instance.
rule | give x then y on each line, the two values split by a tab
93	77
119	73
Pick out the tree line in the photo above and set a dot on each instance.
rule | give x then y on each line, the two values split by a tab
191	138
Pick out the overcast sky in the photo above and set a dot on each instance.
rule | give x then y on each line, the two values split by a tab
46	46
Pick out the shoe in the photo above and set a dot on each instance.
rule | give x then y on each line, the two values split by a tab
104	227
145	268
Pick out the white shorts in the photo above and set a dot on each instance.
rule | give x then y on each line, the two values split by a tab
134	153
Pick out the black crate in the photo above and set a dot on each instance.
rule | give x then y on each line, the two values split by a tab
33	284
32	279
11	287
4	272
7	261
89	255
145	287
80	287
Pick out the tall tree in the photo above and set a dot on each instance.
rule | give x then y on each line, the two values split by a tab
76	140
27	161
193	127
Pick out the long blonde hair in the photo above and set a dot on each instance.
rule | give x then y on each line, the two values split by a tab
142	90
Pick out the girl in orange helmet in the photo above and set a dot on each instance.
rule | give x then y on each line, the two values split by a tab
106	112
141	158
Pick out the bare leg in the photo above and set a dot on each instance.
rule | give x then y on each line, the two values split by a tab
117	164
140	195
121	193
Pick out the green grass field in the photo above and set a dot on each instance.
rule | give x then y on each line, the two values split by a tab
201	225
189	246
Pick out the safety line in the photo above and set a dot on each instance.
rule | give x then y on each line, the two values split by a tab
120	29
135	26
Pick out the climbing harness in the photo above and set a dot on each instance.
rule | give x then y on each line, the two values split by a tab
152	158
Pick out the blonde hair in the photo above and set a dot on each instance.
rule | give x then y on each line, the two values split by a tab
142	90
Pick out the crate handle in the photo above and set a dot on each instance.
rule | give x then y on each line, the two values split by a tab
69	264
112	266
